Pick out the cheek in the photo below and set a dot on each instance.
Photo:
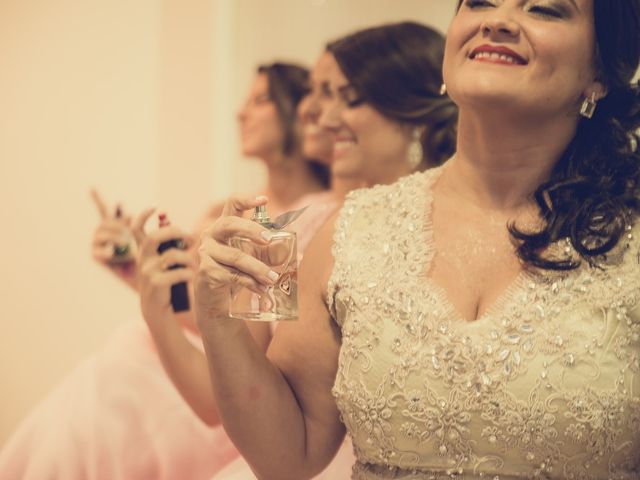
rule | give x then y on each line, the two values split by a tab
566	50
270	125
460	31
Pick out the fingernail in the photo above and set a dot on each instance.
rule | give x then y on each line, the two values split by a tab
267	235
260	198
273	276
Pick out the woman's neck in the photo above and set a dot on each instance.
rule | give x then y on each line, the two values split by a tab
499	164
340	186
288	179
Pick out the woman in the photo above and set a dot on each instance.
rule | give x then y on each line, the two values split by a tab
269	132
409	54
480	320
118	416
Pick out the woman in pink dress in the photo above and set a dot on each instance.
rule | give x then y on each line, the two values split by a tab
117	415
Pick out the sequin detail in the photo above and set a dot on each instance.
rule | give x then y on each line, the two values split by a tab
546	385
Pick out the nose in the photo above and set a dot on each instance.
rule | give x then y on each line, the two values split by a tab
308	109
241	115
329	115
499	24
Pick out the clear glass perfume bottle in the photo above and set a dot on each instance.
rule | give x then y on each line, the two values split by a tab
280	301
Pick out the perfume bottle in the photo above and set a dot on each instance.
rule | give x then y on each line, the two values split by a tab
122	250
280	301
179	294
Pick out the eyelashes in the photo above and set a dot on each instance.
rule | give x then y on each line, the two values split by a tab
544	11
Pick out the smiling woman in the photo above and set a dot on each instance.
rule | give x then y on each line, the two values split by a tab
480	319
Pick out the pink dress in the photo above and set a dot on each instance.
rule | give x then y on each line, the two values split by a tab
117	416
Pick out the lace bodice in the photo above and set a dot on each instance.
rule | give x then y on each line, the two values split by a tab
545	385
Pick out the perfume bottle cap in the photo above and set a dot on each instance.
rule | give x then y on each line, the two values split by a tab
163	221
260	215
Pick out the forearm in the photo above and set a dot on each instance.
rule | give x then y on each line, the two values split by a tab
255	402
187	368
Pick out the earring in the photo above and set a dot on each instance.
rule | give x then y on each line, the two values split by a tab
443	89
588	107
415	153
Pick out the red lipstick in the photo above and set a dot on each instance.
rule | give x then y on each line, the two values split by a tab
497	54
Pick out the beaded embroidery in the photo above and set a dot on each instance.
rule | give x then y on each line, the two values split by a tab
546	384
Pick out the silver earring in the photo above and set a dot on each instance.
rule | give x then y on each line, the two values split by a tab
415	153
588	107
443	89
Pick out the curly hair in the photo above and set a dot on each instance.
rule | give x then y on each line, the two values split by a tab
593	193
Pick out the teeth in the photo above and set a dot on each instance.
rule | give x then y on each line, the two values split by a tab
495	56
344	143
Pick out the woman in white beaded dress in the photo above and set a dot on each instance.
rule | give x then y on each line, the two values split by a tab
406	53
478	320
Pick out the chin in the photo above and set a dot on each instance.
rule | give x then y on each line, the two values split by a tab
317	153
346	167
494	97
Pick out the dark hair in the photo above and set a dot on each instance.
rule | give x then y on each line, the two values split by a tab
288	84
593	193
397	69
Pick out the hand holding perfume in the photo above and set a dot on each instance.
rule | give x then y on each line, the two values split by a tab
179	294
279	301
122	248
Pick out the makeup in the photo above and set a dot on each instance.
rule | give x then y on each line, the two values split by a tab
179	293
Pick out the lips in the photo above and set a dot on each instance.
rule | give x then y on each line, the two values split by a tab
496	54
341	145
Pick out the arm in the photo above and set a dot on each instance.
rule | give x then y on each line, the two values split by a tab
185	364
278	408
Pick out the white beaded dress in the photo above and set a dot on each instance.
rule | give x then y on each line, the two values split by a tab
544	385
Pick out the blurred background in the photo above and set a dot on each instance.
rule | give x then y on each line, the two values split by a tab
137	99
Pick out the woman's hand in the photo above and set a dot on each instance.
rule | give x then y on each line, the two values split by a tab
154	274
113	244
223	267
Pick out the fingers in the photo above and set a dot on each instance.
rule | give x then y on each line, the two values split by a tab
227	227
102	253
237	264
237	204
174	256
137	227
215	276
164	278
246	264
110	231
100	205
164	262
151	242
